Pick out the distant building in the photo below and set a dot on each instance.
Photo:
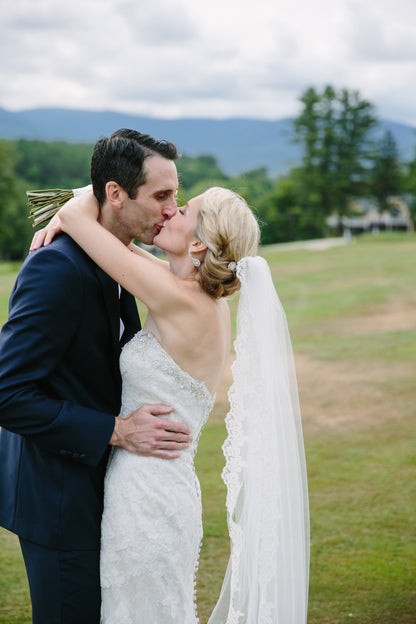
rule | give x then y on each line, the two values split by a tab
368	218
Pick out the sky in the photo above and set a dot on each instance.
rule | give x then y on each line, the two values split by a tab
212	59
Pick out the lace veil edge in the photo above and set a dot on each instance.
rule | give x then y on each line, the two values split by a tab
266	581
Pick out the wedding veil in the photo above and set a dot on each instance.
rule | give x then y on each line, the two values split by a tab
266	581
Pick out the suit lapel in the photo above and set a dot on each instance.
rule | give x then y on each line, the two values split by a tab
112	306
129	316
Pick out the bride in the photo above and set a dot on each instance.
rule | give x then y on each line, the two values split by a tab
151	526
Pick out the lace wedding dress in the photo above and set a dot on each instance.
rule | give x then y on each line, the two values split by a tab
152	521
152	529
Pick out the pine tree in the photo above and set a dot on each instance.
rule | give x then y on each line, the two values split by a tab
335	129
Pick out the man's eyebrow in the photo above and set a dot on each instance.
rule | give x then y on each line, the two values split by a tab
164	191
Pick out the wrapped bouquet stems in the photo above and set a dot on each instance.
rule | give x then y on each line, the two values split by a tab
44	204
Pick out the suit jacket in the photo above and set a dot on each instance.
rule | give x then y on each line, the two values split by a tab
60	390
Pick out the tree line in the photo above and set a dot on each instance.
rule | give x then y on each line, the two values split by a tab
341	161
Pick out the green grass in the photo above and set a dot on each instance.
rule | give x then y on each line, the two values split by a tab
362	504
351	310
14	592
8	273
362	500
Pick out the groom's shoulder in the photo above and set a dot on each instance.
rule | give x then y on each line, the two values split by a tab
62	243
62	261
62	251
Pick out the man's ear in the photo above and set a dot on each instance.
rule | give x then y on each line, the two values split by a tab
115	194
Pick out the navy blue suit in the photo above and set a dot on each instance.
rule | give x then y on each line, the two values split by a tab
59	392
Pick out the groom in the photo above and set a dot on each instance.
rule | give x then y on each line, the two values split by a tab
60	385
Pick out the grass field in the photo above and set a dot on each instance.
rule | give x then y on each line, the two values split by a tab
352	315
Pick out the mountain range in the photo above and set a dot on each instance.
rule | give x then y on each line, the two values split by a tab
237	144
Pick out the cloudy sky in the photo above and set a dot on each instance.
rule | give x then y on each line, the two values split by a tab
211	58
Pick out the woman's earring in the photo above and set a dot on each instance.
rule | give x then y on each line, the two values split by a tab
196	262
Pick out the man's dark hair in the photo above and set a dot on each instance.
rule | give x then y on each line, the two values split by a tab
120	158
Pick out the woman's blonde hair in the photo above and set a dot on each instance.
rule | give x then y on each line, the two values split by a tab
229	229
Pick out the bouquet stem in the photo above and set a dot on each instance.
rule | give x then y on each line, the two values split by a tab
45	203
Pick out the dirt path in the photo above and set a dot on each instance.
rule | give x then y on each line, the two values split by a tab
343	394
334	395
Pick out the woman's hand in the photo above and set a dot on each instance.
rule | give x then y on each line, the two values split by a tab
46	234
85	206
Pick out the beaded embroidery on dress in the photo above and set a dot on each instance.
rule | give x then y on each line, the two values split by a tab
152	521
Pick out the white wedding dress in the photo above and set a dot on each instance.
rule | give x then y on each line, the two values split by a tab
152	521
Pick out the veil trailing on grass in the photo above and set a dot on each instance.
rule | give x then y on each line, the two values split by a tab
266	581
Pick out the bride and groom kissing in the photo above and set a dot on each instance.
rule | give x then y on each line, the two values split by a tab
96	448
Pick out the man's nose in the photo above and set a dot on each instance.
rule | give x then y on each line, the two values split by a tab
170	209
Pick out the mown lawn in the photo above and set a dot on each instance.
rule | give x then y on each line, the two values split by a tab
352	315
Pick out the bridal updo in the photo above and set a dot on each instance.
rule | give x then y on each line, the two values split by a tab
228	228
